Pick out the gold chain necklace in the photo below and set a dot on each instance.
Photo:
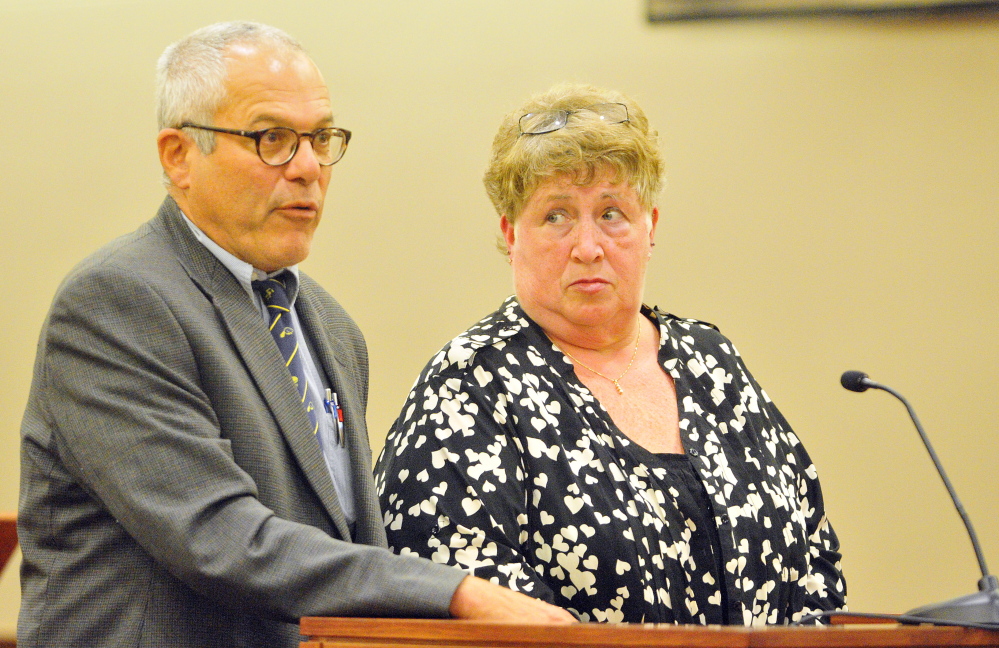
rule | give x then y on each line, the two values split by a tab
634	354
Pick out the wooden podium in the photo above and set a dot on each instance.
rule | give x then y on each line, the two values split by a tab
8	536
8	542
323	632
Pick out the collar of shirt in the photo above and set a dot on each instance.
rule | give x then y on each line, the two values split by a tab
244	272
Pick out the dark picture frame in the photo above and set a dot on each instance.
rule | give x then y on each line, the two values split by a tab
661	11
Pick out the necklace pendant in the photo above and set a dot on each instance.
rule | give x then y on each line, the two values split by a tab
618	385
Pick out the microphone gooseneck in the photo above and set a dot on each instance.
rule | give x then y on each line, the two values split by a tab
982	607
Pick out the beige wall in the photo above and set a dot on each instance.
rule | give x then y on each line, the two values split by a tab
832	203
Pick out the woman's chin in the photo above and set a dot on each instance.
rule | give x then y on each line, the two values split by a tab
593	315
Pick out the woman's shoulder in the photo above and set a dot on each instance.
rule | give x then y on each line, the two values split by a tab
693	337
685	323
496	331
680	327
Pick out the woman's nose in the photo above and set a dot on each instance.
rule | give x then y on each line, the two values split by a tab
588	244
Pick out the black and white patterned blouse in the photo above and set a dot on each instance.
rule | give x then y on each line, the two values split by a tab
502	463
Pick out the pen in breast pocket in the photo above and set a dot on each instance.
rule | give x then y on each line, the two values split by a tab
338	414
330	404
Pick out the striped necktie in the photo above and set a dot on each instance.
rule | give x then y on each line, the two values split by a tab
275	295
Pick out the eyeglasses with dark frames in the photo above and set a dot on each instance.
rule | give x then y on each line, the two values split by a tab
547	121
277	146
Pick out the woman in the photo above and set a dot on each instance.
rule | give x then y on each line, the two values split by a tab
583	448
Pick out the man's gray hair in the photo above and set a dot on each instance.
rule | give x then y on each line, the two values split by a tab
191	74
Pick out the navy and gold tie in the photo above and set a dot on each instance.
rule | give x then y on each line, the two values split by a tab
275	296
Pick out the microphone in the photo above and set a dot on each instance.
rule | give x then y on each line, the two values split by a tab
981	607
856	381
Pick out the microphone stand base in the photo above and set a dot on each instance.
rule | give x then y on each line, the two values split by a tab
980	607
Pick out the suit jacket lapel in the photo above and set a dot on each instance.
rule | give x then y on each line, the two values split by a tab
260	355
330	352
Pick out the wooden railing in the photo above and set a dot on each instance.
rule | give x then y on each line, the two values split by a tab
8	542
323	632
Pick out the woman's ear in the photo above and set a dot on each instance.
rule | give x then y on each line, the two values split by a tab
508	235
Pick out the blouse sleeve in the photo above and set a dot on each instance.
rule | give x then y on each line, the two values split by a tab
823	583
825	587
816	578
452	482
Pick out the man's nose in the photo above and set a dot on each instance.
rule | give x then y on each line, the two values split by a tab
304	164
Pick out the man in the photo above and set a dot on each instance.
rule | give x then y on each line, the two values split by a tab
187	478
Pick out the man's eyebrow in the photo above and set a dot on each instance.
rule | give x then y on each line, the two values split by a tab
265	118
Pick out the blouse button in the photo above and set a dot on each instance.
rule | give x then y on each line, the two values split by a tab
723	519
693	452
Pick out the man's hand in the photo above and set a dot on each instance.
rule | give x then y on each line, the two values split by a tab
483	601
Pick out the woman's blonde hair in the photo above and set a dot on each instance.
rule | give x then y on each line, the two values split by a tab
583	148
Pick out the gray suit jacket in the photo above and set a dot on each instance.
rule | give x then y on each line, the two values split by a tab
172	493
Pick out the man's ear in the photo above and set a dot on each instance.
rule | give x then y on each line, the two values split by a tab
175	148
